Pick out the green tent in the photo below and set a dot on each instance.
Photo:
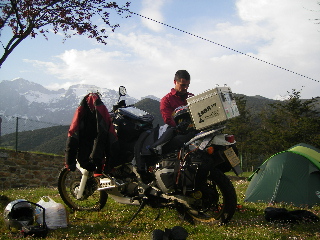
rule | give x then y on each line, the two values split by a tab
292	177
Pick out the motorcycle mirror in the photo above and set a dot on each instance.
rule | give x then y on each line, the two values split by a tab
122	91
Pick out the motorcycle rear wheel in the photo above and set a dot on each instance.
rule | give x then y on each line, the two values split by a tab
219	200
68	185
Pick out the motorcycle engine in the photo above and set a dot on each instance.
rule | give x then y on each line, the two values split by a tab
165	179
132	189
165	174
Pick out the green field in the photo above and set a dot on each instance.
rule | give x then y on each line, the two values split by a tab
111	223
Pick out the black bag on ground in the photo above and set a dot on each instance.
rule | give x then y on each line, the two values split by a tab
175	233
282	215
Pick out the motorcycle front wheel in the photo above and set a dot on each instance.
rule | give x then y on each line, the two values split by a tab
68	186
218	201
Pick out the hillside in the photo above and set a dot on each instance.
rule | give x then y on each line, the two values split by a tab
48	140
53	139
153	107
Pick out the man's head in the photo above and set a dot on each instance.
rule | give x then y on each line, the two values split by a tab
181	81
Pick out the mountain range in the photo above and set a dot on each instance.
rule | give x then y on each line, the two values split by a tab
44	115
28	100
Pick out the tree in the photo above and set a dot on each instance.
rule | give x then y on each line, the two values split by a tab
244	129
290	122
72	17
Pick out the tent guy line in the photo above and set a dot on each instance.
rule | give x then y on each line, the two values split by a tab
274	65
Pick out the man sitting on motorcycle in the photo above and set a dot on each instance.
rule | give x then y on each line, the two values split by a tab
176	97
169	107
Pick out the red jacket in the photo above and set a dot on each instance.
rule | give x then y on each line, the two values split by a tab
170	102
91	136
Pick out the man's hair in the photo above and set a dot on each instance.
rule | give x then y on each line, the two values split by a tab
182	74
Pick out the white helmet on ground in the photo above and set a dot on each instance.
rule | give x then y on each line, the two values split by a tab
18	213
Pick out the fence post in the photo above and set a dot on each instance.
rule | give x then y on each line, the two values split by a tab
17	129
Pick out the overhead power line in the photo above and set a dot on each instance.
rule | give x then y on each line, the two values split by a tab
274	65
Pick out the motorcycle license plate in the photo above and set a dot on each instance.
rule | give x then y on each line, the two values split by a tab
232	157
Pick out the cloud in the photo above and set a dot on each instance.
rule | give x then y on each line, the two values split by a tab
145	61
286	23
281	33
91	67
152	9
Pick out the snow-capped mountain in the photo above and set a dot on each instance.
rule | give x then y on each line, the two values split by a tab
22	98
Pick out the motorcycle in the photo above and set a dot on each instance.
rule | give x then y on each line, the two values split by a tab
183	168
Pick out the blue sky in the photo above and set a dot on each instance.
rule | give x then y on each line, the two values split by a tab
144	55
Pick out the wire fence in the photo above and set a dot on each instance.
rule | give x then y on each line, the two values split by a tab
23	134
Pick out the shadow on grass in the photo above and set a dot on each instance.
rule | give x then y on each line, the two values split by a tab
4	201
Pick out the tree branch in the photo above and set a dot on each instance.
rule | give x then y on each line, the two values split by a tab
28	18
15	9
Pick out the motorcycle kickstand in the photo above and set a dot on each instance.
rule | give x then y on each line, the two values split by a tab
142	205
183	214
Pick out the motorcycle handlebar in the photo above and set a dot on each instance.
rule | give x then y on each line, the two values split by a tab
121	104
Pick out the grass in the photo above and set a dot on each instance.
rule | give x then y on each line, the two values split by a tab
111	223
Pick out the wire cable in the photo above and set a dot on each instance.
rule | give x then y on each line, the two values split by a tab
274	65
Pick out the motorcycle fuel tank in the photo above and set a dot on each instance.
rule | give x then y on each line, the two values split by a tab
212	107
